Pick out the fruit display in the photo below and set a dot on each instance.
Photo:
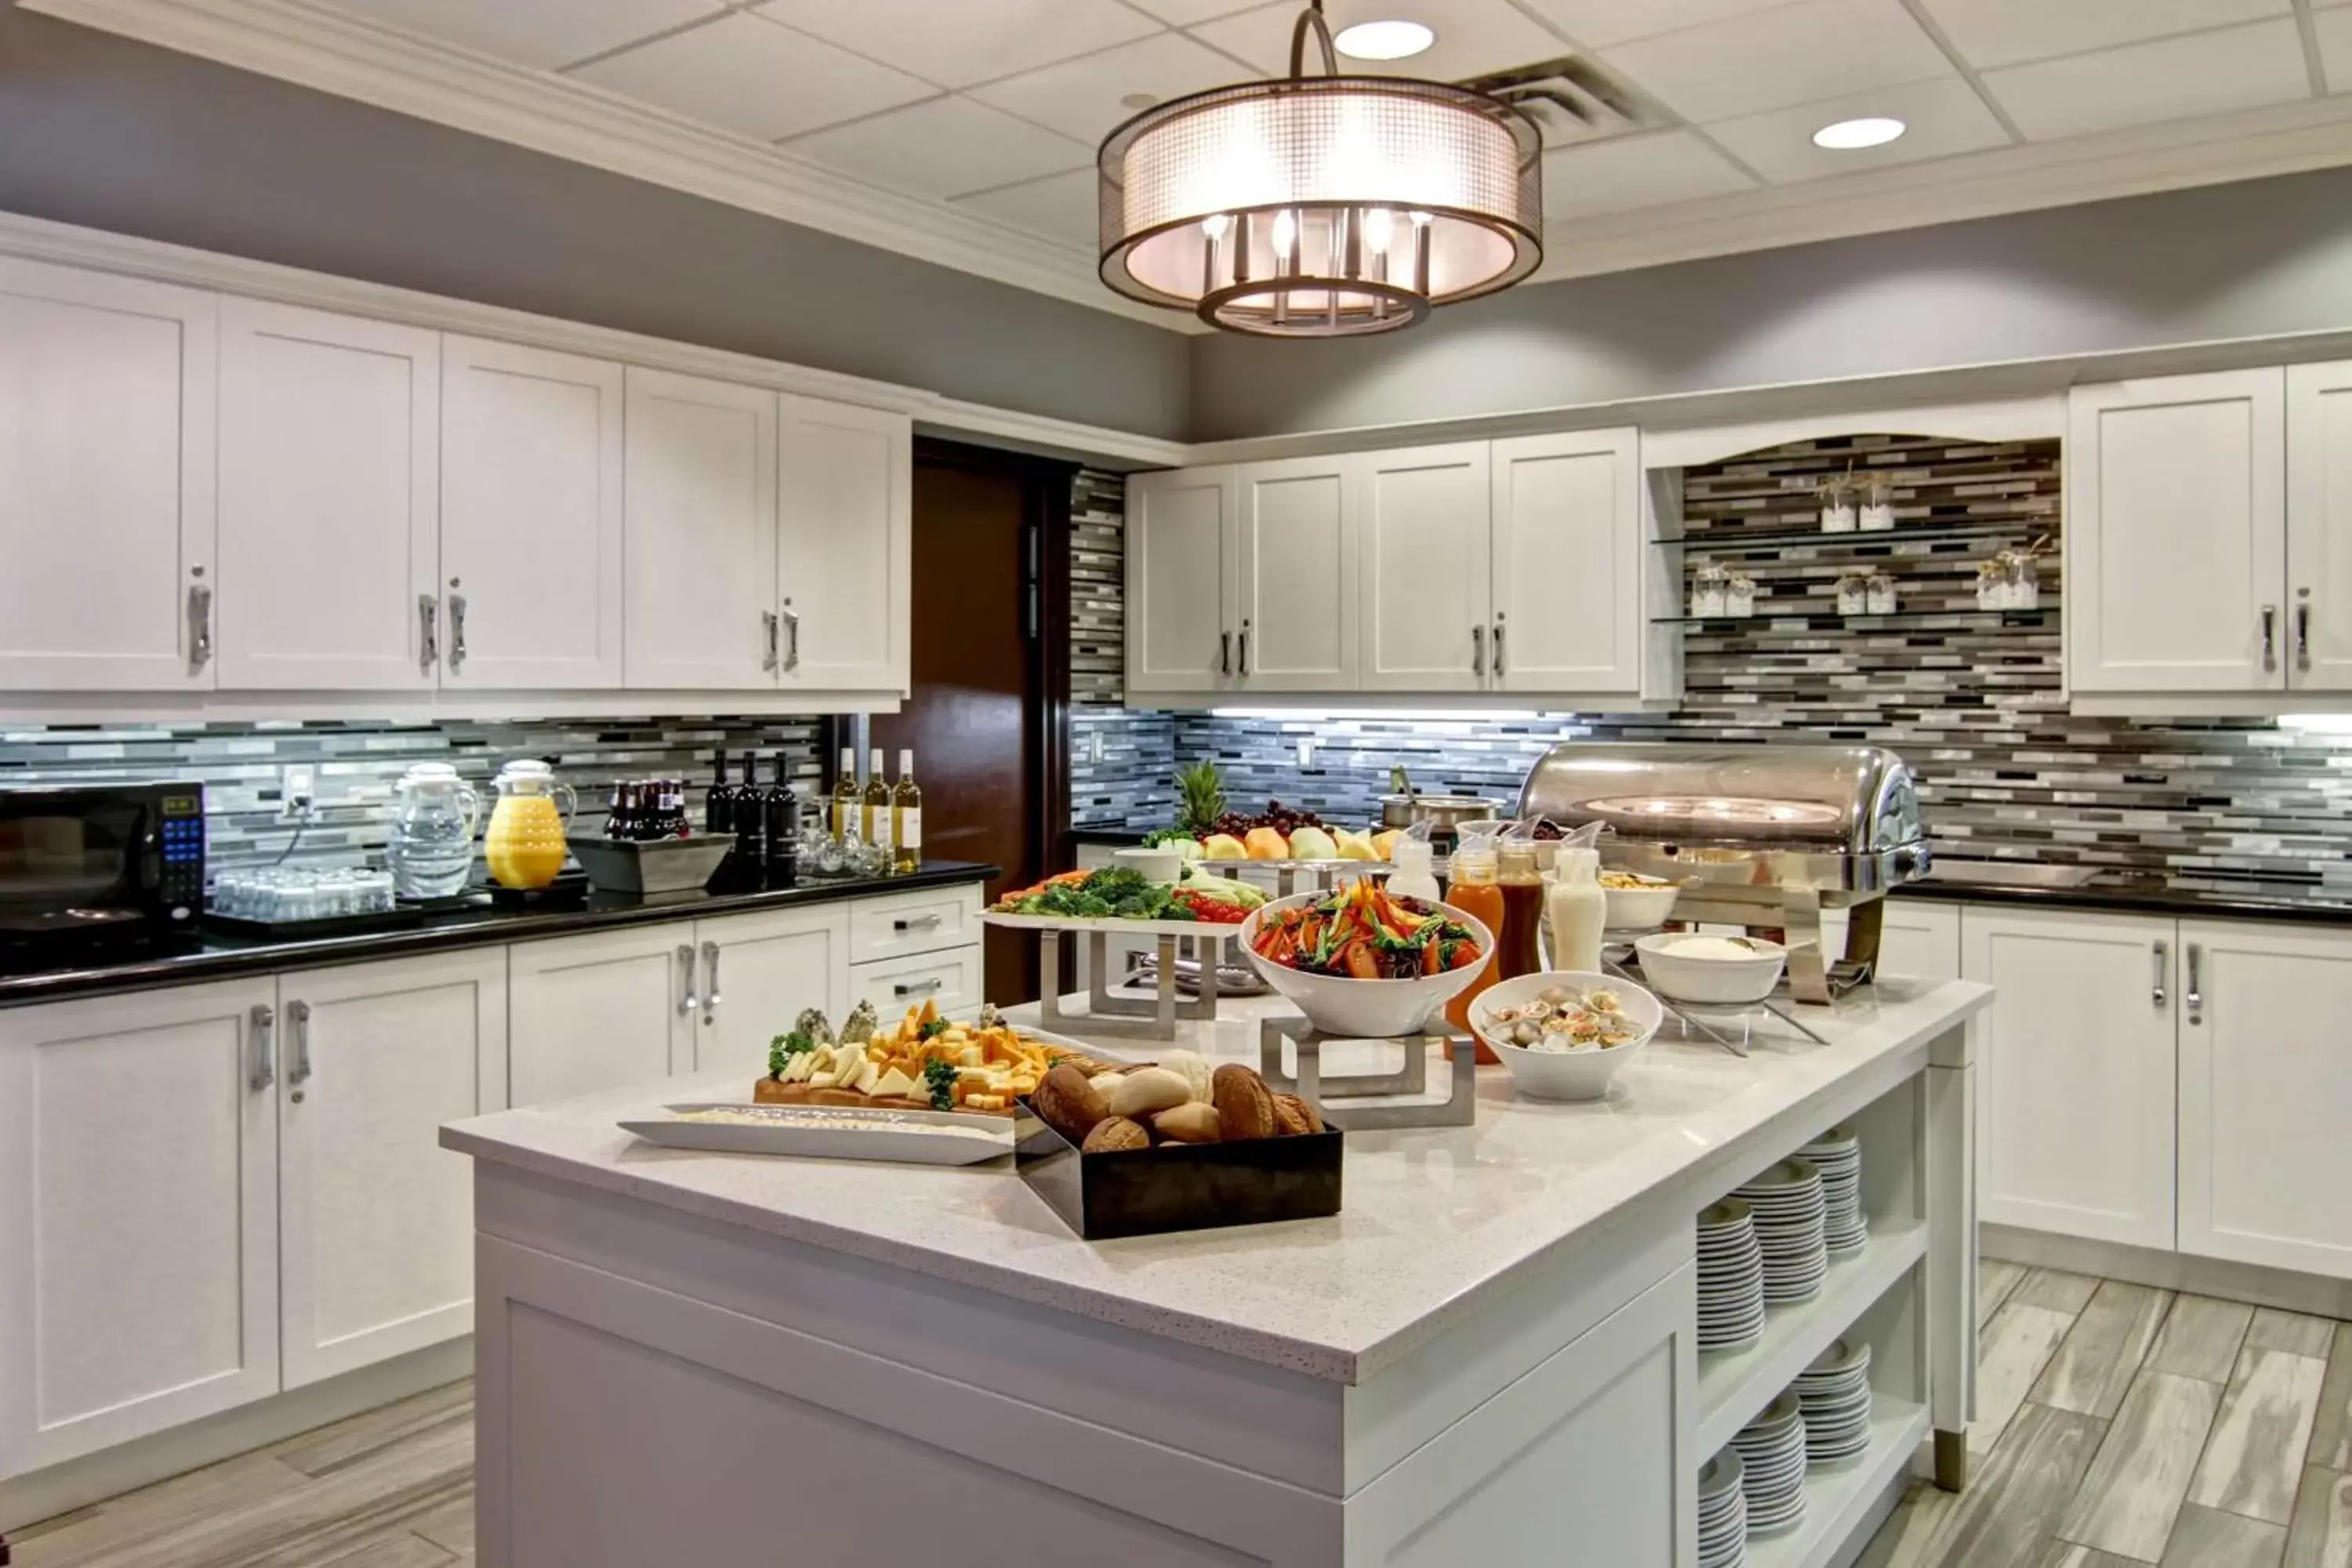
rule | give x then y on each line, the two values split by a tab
1279	833
1178	1099
926	1063
1362	932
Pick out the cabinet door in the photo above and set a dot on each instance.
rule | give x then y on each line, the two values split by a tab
376	1219
1295	575
108	396
530	518
2176	530
138	1216
1181	532
1919	940
330	503
845	541
1567	531
954	981
757	971
2319	526
2265	1097
2075	1135
1426	572
597	1012
701	528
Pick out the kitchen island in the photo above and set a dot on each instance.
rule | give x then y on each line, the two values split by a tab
1490	1356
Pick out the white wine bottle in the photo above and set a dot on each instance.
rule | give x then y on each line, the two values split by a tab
906	819
877	827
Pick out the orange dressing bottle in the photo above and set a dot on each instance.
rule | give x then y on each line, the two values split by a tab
1472	888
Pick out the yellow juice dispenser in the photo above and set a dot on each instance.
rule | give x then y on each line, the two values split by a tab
525	847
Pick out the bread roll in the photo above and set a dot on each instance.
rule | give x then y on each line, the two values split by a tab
1195	1070
1190	1123
1245	1105
1296	1116
1068	1103
1113	1133
1145	1092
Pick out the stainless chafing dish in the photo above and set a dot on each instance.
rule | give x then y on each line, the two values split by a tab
1760	836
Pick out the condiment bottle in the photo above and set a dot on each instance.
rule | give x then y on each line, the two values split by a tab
1577	910
1414	878
1471	886
1518	946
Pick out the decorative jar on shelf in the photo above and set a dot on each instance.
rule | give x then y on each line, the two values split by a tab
1708	587
2024	582
525	845
1854	594
1878	593
1877	514
1739	596
1837	505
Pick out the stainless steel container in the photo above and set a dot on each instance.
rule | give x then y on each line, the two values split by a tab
1760	836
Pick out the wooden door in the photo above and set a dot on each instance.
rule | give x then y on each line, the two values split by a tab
108	400
531	519
844	508
596	1012
330	501
1180	527
2176	533
755	973
1426	569
138	1216
376	1219
701	533
2319	526
2266	1096
1566	566
1295	575
2076	1062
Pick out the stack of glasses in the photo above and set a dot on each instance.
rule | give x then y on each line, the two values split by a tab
1731	1278
1837	1154
1834	1396
1792	1228
1772	1467
1722	1514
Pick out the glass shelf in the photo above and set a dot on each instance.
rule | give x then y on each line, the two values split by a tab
1830	620
1750	541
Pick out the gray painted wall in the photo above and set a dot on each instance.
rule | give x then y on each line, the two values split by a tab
2256	258
117	135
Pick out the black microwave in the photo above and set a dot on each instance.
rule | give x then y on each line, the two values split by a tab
100	865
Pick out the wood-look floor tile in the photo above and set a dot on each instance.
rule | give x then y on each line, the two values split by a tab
2067	1554
2010	1353
2137	1484
329	1448
138	1520
2320	1535
2331	1435
2056	1290
2295	1333
451	1526
2253	1461
2102	1353
2201	1338
398	1551
2005	1518
2209	1538
1995	1280
1903	1542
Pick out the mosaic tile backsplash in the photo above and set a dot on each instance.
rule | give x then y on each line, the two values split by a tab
1971	700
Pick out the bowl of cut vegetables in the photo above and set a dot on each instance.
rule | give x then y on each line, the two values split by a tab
1362	963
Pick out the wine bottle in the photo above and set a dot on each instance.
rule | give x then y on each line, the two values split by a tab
718	805
617	813
750	853
844	798
781	808
906	819
876	826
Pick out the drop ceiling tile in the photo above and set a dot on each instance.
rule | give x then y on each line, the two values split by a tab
944	147
965	41
1597	23
1792	54
2333	28
1939	117
1083	98
1634	172
1061	207
754	77
1184	13
542	34
1473	37
2168	78
2005	32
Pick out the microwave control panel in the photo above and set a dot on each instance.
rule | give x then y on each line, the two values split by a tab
183	830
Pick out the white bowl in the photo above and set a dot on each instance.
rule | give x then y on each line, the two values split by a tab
1715	982
1565	1075
1641	909
1156	865
1363	1009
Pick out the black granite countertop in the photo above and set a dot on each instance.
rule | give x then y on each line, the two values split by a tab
216	957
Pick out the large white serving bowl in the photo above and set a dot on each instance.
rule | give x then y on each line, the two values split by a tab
1641	909
1565	1075
1710	981
1363	1009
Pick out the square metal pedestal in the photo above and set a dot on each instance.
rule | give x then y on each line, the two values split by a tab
1459	1109
1127	1016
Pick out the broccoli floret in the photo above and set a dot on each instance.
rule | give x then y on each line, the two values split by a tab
1090	905
1115	882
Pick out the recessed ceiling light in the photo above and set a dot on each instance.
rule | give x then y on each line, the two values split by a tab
1383	40
1846	135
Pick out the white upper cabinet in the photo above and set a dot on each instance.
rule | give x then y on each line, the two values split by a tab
2176	535
1296	575
1569	611
329	504
108	397
701	533
845	541
1181	532
1426	568
531	519
2319	527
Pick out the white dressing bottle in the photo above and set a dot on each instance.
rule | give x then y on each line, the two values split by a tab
1414	878
1576	909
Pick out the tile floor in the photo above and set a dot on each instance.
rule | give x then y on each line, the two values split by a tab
2118	1425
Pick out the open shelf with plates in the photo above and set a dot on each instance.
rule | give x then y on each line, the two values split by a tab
1838	1499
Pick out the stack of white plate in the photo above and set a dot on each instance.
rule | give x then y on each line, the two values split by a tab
1834	1396
1772	1467
1792	1229
1722	1514
1837	1154
1731	1278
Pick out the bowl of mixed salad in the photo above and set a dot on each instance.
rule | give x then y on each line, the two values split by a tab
1362	963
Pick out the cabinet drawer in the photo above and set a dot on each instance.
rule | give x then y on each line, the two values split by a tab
907	923
952	980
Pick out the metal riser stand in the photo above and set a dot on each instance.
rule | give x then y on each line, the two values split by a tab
1459	1109
1127	1015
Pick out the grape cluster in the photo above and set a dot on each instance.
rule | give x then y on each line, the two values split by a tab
1277	815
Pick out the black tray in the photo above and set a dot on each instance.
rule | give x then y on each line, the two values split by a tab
1195	1186
304	930
568	891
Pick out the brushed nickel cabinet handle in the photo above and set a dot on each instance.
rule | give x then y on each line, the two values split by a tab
1498	645
2196	996
265	1048
2270	637
915	923
199	626
768	628
709	980
428	632
687	1001
1245	646
2162	952
1477	650
456	630
2303	636
297	1018
1224	653
792	641
920	988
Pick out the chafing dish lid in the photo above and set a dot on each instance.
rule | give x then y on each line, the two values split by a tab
1854	800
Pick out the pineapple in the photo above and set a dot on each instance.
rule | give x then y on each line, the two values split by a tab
1200	799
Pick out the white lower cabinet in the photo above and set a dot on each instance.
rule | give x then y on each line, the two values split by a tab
1921	940
596	1012
954	982
756	972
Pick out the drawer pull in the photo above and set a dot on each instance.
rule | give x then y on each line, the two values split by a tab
906	923
919	988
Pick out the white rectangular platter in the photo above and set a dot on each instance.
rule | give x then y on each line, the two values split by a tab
830	1132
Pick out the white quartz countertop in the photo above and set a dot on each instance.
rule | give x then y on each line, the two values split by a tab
1433	1218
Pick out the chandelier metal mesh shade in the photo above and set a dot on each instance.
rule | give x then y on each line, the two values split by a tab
1321	206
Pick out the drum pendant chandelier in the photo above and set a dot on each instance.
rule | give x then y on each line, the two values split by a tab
1321	206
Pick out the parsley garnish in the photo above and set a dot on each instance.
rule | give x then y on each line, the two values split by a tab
940	1079
785	1047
